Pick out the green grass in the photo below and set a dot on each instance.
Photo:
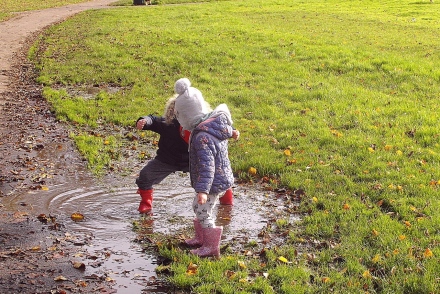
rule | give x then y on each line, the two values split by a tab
338	98
9	7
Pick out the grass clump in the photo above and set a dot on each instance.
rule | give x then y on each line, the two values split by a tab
338	99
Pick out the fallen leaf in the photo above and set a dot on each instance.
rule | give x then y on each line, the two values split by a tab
60	278
77	216
79	265
428	253
252	171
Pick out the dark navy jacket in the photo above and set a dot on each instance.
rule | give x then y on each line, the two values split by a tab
173	149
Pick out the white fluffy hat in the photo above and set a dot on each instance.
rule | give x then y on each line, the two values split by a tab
190	106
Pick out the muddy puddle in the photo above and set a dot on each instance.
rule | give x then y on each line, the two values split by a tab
106	236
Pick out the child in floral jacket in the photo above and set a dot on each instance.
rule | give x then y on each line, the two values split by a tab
209	165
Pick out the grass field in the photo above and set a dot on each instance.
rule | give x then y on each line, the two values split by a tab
337	98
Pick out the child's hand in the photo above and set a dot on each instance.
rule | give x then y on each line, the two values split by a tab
140	124
201	198
235	134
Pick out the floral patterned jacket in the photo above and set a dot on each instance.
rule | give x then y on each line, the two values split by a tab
210	168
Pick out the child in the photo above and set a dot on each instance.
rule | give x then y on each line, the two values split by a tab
210	169
172	155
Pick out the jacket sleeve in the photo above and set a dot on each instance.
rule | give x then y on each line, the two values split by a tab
153	123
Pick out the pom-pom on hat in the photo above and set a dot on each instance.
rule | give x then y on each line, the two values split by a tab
190	106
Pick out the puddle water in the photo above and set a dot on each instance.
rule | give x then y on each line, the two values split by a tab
109	212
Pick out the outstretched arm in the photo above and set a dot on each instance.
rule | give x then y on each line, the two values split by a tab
144	122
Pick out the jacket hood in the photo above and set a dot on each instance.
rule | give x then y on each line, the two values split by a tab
218	123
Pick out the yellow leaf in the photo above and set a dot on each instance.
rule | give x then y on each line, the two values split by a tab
325	279
366	274
396	251
314	199
287	152
252	171
230	274
402	237
407	224
192	269
79	265
370	149
428	253
283	259
376	258
60	278
374	232
77	216
241	264
44	188
346	206
398	152
106	142
388	147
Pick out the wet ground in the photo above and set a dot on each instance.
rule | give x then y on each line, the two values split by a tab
43	181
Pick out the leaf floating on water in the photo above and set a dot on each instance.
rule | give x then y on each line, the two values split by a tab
60	278
77	217
79	265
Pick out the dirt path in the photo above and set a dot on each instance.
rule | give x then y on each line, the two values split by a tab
13	33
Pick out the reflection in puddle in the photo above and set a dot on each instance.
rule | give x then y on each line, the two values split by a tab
109	213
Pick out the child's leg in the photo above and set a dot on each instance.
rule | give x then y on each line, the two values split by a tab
204	211
211	235
153	173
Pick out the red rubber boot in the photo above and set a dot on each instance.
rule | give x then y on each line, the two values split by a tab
147	200
227	199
